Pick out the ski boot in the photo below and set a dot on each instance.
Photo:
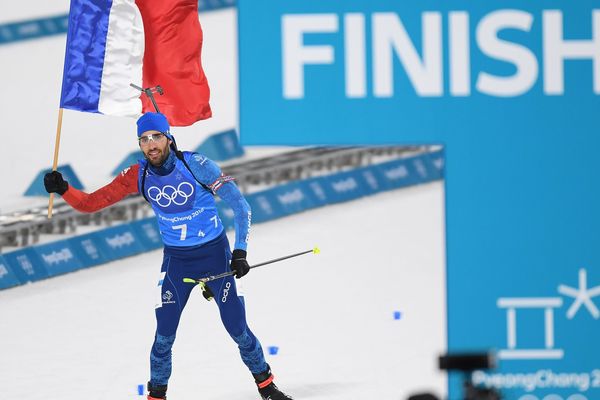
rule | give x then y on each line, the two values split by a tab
266	387
157	392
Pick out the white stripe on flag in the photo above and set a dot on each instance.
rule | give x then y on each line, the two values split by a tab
122	61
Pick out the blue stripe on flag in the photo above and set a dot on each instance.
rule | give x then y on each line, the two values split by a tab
84	55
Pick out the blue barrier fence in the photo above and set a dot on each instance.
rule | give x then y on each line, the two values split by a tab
7	277
55	25
83	251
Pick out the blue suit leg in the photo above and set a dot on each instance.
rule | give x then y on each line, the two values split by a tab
233	316
174	295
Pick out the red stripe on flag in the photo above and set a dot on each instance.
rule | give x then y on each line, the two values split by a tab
173	44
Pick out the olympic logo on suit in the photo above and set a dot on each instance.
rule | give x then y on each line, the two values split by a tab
169	194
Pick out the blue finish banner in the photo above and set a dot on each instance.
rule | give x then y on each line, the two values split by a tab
512	91
7	276
405	71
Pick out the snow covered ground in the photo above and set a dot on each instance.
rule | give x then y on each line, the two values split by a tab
87	335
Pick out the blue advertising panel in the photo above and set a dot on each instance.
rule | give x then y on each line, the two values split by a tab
264	206
293	197
435	162
411	170
26	264
33	29
7	276
512	91
318	193
346	186
87	250
397	173
375	182
148	233
58	257
118	242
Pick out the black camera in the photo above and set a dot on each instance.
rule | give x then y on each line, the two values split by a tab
466	363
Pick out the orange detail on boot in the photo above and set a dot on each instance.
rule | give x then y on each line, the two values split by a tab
154	398
266	382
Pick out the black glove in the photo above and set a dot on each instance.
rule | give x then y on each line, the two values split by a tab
239	265
54	183
206	292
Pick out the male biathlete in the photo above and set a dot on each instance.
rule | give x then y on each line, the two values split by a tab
180	187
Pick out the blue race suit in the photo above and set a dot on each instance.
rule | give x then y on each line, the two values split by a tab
195	246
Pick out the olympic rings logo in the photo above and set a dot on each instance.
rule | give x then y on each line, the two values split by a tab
170	195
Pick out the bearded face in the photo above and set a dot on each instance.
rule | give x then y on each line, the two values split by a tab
155	146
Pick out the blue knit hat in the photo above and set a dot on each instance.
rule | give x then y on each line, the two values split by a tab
152	121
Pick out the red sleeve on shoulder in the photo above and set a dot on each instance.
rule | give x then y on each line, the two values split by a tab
124	184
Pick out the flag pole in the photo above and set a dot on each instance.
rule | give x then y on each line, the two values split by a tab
55	161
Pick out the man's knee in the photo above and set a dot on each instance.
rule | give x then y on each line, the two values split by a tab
243	339
162	345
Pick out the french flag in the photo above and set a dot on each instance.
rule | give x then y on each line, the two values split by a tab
111	44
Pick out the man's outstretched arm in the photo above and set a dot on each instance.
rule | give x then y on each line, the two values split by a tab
208	172
124	184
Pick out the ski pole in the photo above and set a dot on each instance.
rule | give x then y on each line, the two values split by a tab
229	273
